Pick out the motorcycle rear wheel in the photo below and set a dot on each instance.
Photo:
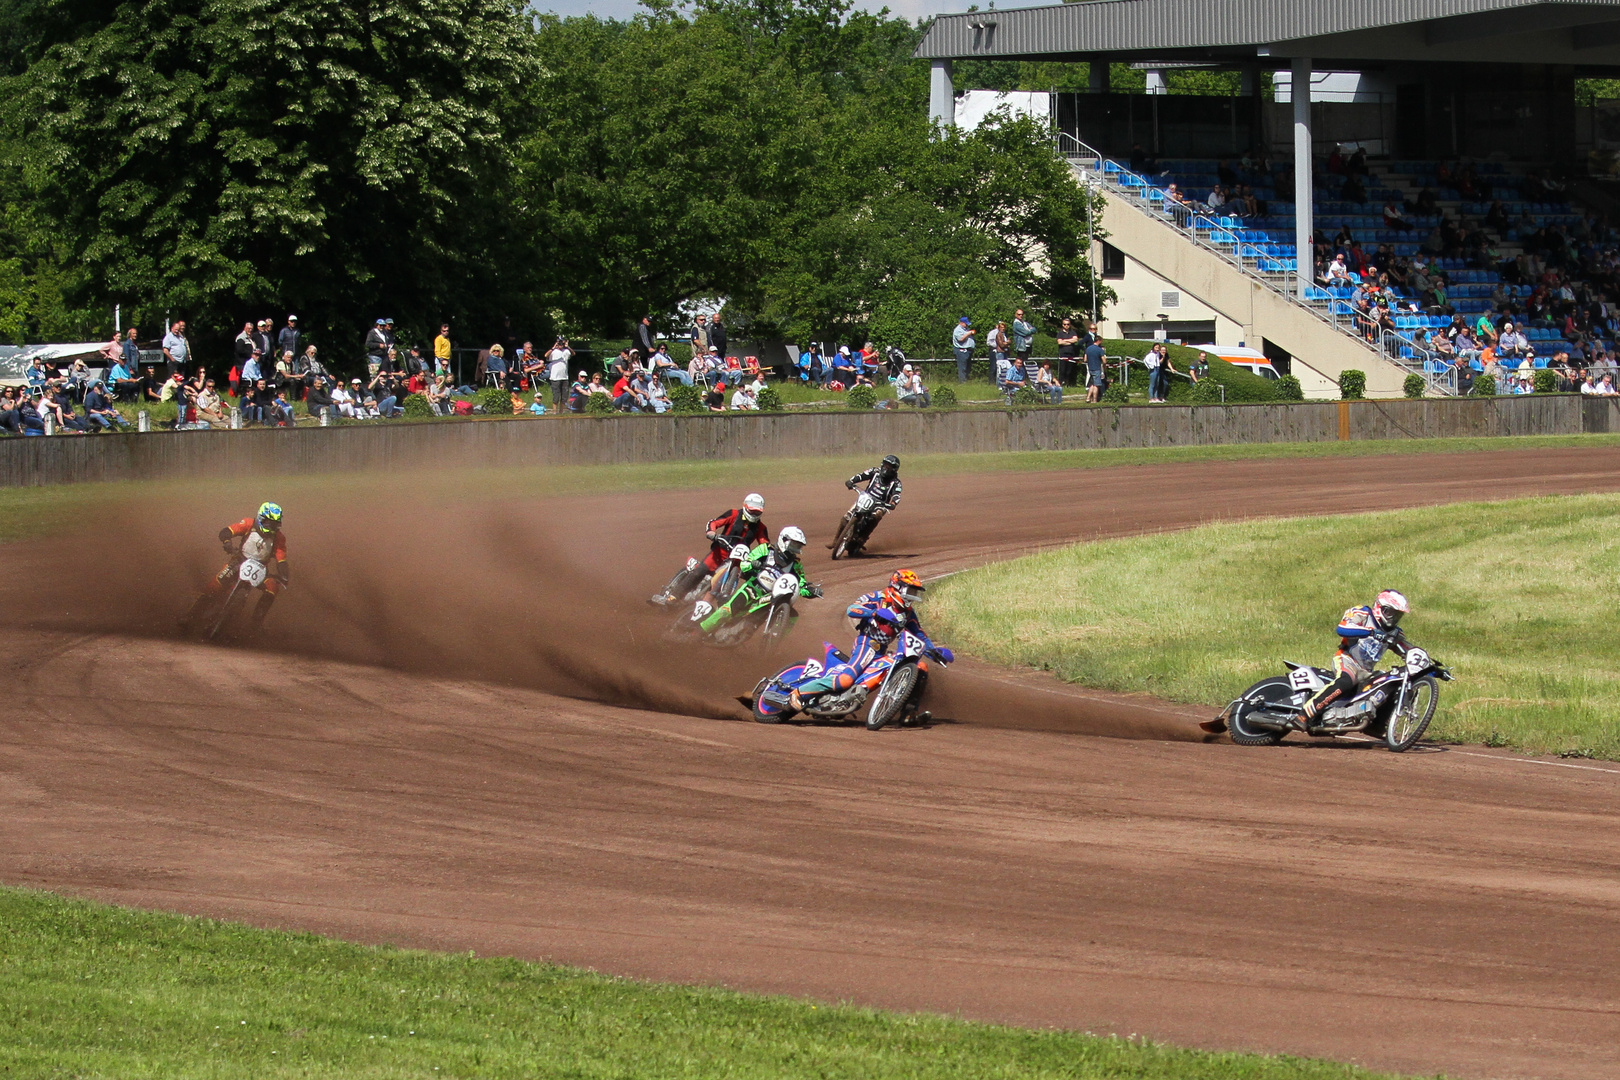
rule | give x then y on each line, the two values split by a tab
892	697
764	717
1271	690
1407	726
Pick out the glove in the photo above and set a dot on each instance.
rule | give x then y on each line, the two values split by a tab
849	485
945	655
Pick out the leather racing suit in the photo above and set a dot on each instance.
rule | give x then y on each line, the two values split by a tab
235	538
724	533
885	489
1362	642
763	557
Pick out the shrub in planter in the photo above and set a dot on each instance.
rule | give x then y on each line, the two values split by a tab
943	397
1352	384
1288	389
862	397
1484	385
770	400
599	405
1545	382
685	399
1116	394
493	401
1025	397
416	406
1413	386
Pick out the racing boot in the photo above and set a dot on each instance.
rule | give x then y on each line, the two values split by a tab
678	586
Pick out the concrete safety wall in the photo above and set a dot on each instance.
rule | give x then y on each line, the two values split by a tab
643	439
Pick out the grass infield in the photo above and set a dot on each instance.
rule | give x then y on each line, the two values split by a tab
35	512
1517	597
91	990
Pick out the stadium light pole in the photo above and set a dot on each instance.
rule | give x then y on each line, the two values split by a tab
1300	89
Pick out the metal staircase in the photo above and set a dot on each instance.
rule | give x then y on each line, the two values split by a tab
1271	265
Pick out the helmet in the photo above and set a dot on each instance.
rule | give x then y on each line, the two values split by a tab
1389	607
905	590
790	541
268	519
754	507
890	466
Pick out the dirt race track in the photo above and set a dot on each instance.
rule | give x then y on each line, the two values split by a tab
412	761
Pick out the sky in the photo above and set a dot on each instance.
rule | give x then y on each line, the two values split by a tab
911	10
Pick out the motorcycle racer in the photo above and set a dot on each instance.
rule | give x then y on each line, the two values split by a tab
900	596
1364	633
744	525
263	529
876	632
882	483
783	557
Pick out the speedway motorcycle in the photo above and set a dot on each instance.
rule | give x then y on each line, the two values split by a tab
693	580
1396	705
893	684
220	623
763	606
855	527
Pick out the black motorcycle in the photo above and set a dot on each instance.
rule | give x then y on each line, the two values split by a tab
1396	705
855	527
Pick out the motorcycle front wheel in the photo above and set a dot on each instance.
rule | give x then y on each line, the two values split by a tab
776	625
1257	697
840	538
892	697
1407	726
227	611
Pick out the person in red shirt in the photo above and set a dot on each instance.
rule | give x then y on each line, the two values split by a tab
744	525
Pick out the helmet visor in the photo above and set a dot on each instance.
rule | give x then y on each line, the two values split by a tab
913	594
751	514
1389	616
792	548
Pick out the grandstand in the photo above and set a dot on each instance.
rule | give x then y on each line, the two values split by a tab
1464	152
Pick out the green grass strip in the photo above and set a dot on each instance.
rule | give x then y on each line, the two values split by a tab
34	512
96	991
1518	597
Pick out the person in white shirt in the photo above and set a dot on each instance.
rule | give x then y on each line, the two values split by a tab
1589	387
1338	273
557	373
909	388
343	401
744	398
1606	387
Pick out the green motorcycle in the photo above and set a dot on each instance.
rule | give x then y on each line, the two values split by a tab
762	604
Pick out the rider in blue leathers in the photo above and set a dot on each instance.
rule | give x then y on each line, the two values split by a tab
879	618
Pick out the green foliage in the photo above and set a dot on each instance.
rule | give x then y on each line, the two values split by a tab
1241	386
1352	384
416	406
1544	381
1484	385
599	405
862	397
1207	392
1116	394
1025	397
769	400
338	160
943	397
685	399
493	401
1413	386
1289	389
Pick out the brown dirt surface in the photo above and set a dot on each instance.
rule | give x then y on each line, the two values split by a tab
464	730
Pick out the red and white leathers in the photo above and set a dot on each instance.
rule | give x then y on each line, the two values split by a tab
1362	641
730	529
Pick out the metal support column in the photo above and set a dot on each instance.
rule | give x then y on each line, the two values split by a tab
1304	224
941	94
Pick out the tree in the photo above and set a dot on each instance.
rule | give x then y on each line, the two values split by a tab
341	160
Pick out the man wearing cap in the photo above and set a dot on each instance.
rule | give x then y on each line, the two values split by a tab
910	389
963	342
261	340
287	340
377	344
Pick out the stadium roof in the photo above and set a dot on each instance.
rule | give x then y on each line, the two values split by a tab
1342	33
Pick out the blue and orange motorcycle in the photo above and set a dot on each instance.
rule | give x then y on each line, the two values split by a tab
893	683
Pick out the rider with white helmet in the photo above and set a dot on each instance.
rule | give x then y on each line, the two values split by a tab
745	525
1364	633
783	557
